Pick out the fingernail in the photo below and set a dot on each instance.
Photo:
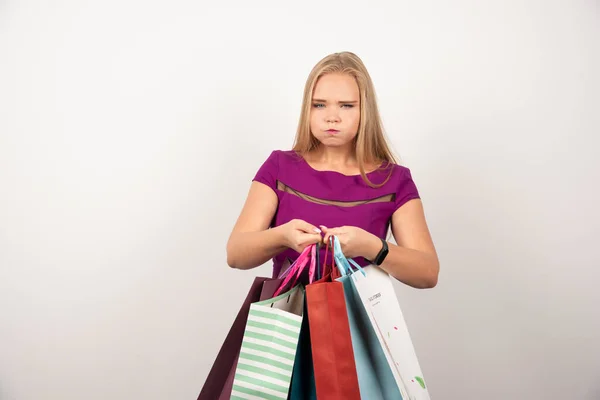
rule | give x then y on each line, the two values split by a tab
317	230
323	226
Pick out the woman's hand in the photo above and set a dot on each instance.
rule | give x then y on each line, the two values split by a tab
298	234
355	242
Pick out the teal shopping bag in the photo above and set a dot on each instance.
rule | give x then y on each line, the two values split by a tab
374	289
376	380
303	376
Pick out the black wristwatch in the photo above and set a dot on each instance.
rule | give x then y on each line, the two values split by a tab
382	253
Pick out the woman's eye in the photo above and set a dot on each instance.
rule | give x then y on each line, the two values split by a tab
321	105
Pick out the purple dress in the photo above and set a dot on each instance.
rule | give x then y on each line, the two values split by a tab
331	198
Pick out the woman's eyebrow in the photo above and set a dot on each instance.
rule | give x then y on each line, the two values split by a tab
345	102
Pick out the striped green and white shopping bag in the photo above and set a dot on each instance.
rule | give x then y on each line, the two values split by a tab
266	361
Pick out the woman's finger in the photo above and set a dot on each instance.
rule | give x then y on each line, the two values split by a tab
329	233
308	228
311	238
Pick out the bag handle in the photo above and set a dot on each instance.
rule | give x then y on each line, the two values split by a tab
329	269
298	268
319	270
342	262
300	259
326	268
313	265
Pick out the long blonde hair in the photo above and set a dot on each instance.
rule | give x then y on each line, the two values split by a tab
370	143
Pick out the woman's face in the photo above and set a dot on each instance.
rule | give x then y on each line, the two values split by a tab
335	110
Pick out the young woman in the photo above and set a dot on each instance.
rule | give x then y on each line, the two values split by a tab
340	178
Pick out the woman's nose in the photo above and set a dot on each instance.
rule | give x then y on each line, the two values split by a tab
333	117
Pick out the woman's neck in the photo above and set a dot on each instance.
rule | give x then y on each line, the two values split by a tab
334	156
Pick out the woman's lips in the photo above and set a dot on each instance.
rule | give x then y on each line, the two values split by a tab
332	131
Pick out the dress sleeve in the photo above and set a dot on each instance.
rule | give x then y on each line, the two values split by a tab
268	171
407	189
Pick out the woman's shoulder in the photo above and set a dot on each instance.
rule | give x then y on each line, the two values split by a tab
392	171
286	155
280	155
400	170
403	183
286	162
277	163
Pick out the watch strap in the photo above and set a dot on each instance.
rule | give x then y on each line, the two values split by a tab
382	253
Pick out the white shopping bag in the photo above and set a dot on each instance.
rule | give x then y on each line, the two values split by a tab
375	289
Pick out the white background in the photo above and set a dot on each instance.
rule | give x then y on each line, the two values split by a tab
130	131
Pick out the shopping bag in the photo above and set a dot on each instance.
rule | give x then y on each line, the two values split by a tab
303	376
302	384
372	288
269	346
378	297
219	381
331	342
269	288
375	378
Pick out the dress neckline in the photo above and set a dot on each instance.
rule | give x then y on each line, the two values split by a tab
327	171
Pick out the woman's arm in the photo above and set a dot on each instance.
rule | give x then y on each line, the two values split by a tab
414	260
252	243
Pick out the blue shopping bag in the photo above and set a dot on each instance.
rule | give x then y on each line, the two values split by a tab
375	378
373	288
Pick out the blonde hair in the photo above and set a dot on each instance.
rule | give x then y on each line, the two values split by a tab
370	143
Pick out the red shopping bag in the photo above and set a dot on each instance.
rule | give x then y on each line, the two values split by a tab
331	343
